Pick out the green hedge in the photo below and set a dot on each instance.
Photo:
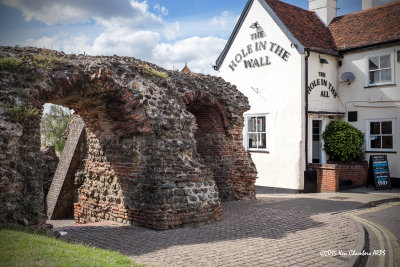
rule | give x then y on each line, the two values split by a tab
343	142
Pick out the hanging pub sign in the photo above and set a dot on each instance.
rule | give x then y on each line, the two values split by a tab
378	172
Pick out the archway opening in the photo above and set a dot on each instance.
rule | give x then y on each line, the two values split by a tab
99	166
211	143
53	137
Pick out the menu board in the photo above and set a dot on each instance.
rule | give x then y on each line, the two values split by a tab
378	173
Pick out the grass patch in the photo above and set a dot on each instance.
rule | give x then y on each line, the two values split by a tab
21	246
153	72
22	114
9	63
46	61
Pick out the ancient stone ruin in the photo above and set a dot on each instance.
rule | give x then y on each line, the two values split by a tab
159	148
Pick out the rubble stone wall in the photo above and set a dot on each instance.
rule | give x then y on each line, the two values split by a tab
143	157
49	166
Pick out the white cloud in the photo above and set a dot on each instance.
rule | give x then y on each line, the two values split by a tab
130	29
161	9
117	12
172	31
124	42
226	19
199	53
62	42
119	41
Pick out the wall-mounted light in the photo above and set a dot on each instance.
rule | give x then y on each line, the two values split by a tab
255	25
323	61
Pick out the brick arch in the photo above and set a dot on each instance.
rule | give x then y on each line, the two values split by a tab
108	109
205	98
219	146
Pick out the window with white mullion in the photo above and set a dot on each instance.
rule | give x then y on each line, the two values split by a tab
380	69
256	132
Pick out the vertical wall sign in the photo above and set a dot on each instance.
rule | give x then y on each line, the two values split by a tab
378	172
322	82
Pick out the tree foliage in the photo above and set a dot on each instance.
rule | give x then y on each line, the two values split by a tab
343	142
53	126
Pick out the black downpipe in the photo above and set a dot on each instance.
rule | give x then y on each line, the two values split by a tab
306	96
310	176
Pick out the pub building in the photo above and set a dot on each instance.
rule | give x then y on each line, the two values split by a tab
302	69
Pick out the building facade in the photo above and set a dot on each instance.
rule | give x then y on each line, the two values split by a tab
301	69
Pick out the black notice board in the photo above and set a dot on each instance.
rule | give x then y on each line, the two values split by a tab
378	172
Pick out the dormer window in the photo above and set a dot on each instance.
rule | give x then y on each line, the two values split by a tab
380	70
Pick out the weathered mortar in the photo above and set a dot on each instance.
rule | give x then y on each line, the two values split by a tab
148	156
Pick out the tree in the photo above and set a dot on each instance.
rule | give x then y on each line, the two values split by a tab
53	126
343	142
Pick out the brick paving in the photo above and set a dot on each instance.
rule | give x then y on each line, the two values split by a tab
250	234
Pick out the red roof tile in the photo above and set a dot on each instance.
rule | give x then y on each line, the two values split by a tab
305	25
367	27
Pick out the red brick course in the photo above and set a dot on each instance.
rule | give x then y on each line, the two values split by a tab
329	175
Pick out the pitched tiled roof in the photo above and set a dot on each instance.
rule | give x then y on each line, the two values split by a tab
367	27
305	25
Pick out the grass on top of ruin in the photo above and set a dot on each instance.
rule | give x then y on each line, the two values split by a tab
23	246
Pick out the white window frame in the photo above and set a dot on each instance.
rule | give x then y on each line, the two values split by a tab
246	132
368	135
392	65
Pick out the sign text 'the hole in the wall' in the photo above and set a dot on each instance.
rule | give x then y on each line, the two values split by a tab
258	45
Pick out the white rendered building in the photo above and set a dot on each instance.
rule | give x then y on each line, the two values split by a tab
291	62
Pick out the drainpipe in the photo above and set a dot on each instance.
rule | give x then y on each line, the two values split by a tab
306	96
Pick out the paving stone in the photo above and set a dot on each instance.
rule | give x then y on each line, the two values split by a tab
250	234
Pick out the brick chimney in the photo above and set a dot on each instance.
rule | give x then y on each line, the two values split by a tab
325	9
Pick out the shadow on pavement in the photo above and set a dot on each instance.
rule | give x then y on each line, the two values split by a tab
263	218
314	205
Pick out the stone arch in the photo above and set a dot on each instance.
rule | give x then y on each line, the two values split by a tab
139	161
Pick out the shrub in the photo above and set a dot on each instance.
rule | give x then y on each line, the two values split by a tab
343	142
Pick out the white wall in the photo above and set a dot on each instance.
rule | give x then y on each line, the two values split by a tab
279	94
380	102
322	96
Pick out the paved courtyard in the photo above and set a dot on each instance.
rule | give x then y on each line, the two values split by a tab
252	233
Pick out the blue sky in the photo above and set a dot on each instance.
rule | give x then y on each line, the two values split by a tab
167	33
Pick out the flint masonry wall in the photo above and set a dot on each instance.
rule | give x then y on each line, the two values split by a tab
148	155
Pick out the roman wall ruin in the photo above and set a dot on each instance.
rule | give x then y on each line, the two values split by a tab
159	148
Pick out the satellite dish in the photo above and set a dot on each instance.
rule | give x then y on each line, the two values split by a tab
348	77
